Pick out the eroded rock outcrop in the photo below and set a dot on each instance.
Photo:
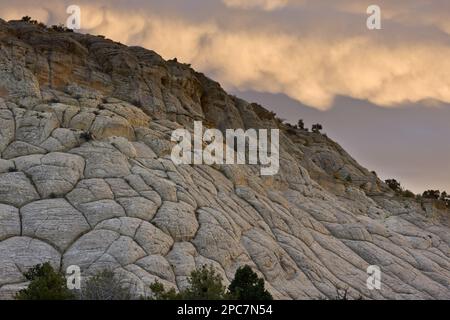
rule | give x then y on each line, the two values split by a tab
86	179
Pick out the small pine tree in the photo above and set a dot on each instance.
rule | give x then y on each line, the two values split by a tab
316	128
45	284
432	194
394	185
246	285
159	293
205	284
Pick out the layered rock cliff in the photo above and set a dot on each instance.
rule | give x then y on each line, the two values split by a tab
86	179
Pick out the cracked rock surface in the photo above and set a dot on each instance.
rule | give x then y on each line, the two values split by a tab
86	179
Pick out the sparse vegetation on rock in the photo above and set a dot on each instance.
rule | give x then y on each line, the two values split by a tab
440	197
105	285
87	136
58	28
206	284
316	128
45	284
432	194
203	284
394	185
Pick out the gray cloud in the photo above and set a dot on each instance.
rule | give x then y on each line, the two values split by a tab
311	51
408	143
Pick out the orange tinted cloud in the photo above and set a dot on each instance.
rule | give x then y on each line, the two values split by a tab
312	63
263	4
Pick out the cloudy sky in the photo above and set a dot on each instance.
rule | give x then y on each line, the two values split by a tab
383	94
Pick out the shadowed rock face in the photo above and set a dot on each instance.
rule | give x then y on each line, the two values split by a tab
86	179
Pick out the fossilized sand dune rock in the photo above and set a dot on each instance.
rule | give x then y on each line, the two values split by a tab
86	179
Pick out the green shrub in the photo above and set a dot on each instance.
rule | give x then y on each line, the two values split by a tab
205	284
105	285
159	293
45	284
87	136
316	128
60	28
408	194
432	194
394	185
246	285
445	198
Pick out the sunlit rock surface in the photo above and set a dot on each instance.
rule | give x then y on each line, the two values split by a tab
86	179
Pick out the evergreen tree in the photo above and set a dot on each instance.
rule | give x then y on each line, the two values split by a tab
45	284
394	185
316	128
246	285
205	284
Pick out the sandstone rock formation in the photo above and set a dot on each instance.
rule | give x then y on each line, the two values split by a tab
86	179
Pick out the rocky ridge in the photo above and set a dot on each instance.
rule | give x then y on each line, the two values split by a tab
86	179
